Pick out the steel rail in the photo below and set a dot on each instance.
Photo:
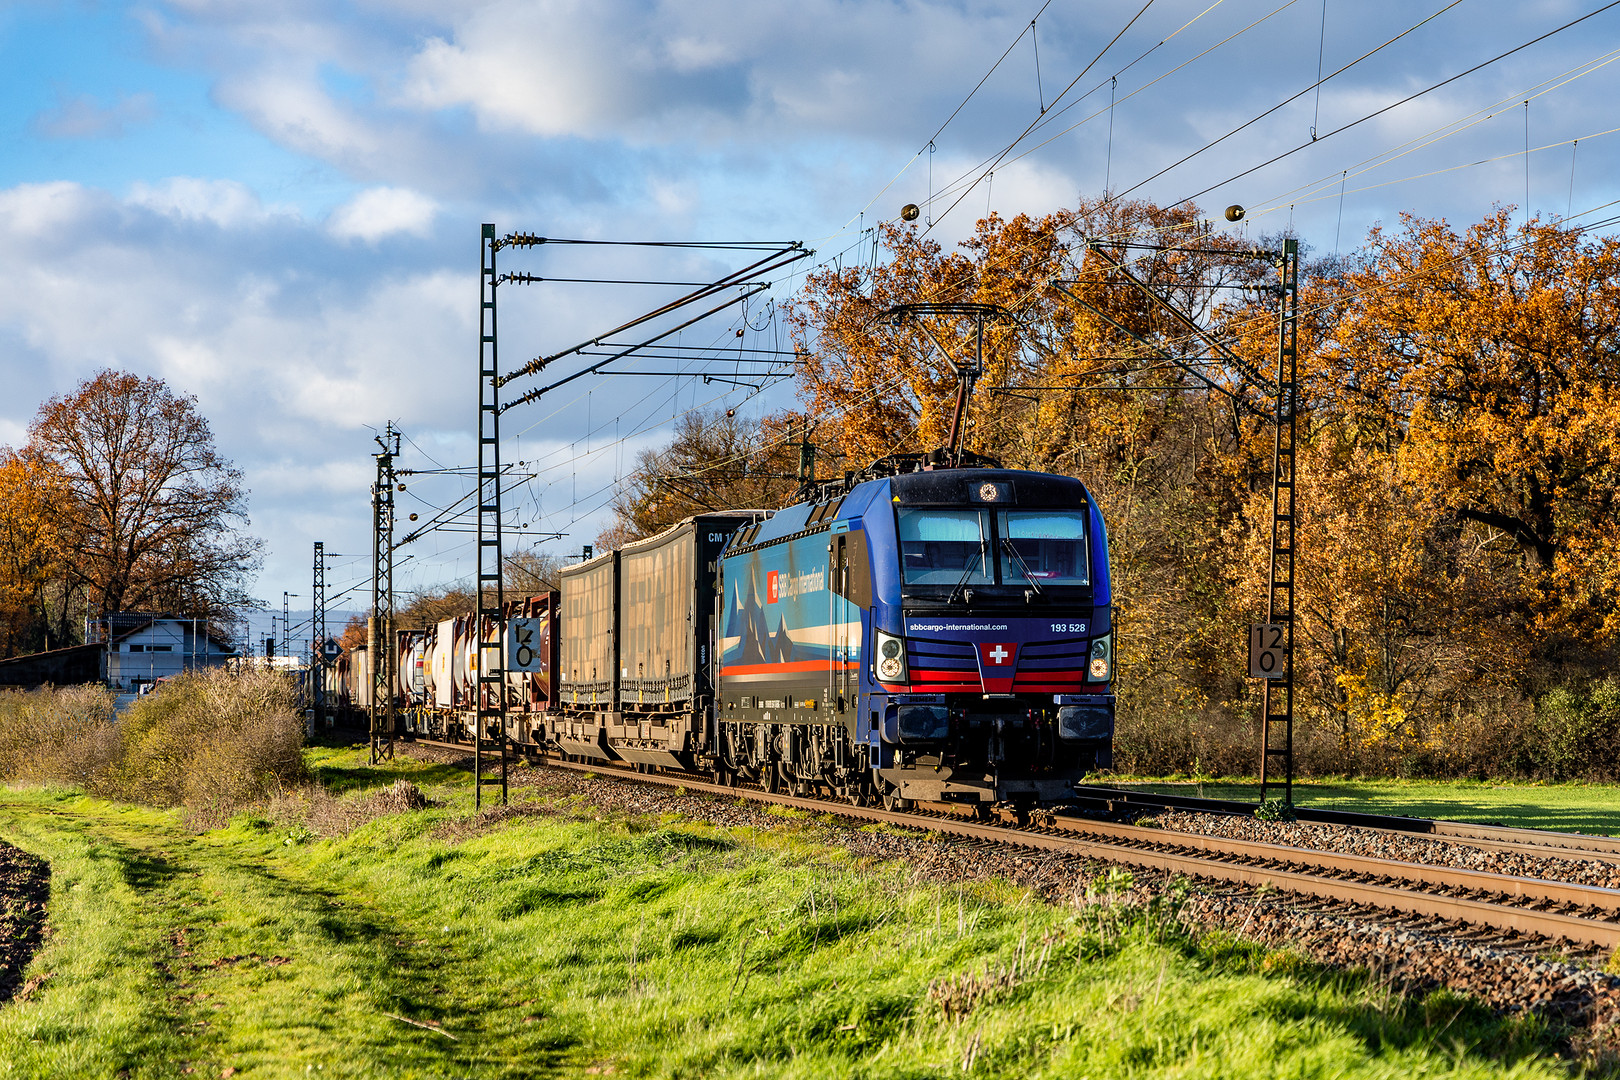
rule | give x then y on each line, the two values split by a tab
1511	885
1541	842
1216	859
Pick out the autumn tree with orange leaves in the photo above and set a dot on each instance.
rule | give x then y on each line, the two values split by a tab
1491	358
716	461
1459	462
150	512
33	551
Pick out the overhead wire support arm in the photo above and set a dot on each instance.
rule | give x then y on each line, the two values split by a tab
519	239
534	395
1250	372
772	262
1240	400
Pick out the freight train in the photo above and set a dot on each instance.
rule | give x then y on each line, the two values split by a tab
918	633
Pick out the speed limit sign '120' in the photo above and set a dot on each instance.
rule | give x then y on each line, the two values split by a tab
1268	655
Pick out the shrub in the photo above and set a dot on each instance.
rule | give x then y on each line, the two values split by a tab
1578	731
57	736
212	741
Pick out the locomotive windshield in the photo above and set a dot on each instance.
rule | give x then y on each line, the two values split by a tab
1008	547
1049	546
944	547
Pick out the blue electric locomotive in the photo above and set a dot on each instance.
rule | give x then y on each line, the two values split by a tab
938	634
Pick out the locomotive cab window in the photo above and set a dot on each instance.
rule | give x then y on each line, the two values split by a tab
944	547
1048	546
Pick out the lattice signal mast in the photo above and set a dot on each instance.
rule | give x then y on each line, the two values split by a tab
380	627
1278	707
317	634
492	732
491	681
1282	393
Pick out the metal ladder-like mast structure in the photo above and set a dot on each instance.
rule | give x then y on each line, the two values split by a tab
1277	711
317	635
380	627
286	624
490	684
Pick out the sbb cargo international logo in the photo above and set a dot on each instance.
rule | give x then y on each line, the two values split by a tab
783	586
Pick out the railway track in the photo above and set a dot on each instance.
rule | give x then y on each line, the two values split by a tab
1559	912
1537	842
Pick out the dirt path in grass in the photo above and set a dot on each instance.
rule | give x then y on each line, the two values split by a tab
173	953
25	885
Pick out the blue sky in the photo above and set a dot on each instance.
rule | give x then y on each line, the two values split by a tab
276	207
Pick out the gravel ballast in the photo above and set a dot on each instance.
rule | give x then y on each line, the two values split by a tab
1400	847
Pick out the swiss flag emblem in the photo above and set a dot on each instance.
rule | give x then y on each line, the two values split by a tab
999	654
772	593
998	662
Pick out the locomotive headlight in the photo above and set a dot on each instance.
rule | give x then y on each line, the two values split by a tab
1101	668
891	657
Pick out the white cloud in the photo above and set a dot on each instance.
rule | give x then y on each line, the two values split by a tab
660	71
290	356
223	202
286	101
382	211
31	210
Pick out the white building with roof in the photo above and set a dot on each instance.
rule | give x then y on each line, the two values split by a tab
143	649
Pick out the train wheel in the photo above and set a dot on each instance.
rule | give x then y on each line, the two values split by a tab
769	779
893	801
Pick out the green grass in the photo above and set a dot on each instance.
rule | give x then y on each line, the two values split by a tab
1568	807
570	941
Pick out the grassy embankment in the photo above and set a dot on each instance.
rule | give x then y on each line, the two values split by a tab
1570	807
579	941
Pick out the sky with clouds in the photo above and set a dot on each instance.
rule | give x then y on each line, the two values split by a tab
276	207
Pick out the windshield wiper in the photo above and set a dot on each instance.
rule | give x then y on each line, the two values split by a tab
1007	546
966	570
